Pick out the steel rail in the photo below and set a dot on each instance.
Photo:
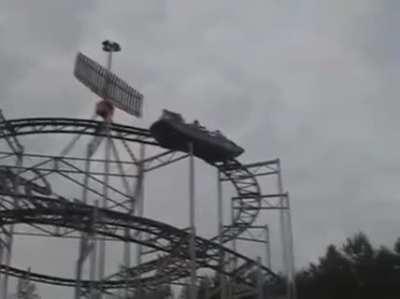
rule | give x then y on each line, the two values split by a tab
248	197
77	216
243	180
29	126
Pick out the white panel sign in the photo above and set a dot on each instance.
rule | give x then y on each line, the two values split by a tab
107	85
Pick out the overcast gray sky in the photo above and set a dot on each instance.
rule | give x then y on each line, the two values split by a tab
312	82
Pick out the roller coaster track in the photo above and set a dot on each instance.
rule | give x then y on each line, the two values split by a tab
29	126
62	213
164	238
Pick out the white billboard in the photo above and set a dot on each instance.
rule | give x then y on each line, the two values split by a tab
107	85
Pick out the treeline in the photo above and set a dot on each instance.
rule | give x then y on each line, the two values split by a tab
353	270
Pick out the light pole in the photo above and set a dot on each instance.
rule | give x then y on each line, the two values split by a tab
106	109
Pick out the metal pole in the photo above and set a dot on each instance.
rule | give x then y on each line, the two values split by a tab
140	198
93	257
2	249
286	235
267	248
234	263
127	262
220	232
10	238
109	60
78	270
283	227
102	243
83	241
192	245
292	280
260	293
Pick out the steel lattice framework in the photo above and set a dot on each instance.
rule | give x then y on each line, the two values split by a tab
49	211
162	237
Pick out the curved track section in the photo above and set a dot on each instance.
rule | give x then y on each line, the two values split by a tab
249	193
29	126
243	180
171	240
245	183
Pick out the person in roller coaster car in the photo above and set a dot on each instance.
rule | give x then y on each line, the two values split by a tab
197	124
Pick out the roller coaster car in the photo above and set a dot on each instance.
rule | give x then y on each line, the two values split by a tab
171	131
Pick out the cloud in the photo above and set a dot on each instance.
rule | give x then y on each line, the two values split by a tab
314	83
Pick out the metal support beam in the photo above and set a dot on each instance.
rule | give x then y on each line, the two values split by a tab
139	193
220	232
6	247
286	238
5	258
234	248
260	280
139	208
267	248
11	138
7	242
192	215
84	250
292	269
102	241
282	224
93	257
87	249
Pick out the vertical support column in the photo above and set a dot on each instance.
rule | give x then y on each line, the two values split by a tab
292	278
7	243
86	177
260	287
79	266
93	257
127	263
87	248
286	235
282	221
2	249
6	247
140	198
139	207
283	230
267	248
83	243
192	214
220	233
234	262
102	242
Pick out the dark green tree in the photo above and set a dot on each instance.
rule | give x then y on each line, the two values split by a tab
355	271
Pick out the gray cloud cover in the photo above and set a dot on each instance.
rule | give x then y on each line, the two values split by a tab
314	83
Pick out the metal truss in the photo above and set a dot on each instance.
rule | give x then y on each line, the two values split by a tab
248	192
251	236
279	201
165	238
163	159
9	134
6	239
66	167
60	217
29	126
241	176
